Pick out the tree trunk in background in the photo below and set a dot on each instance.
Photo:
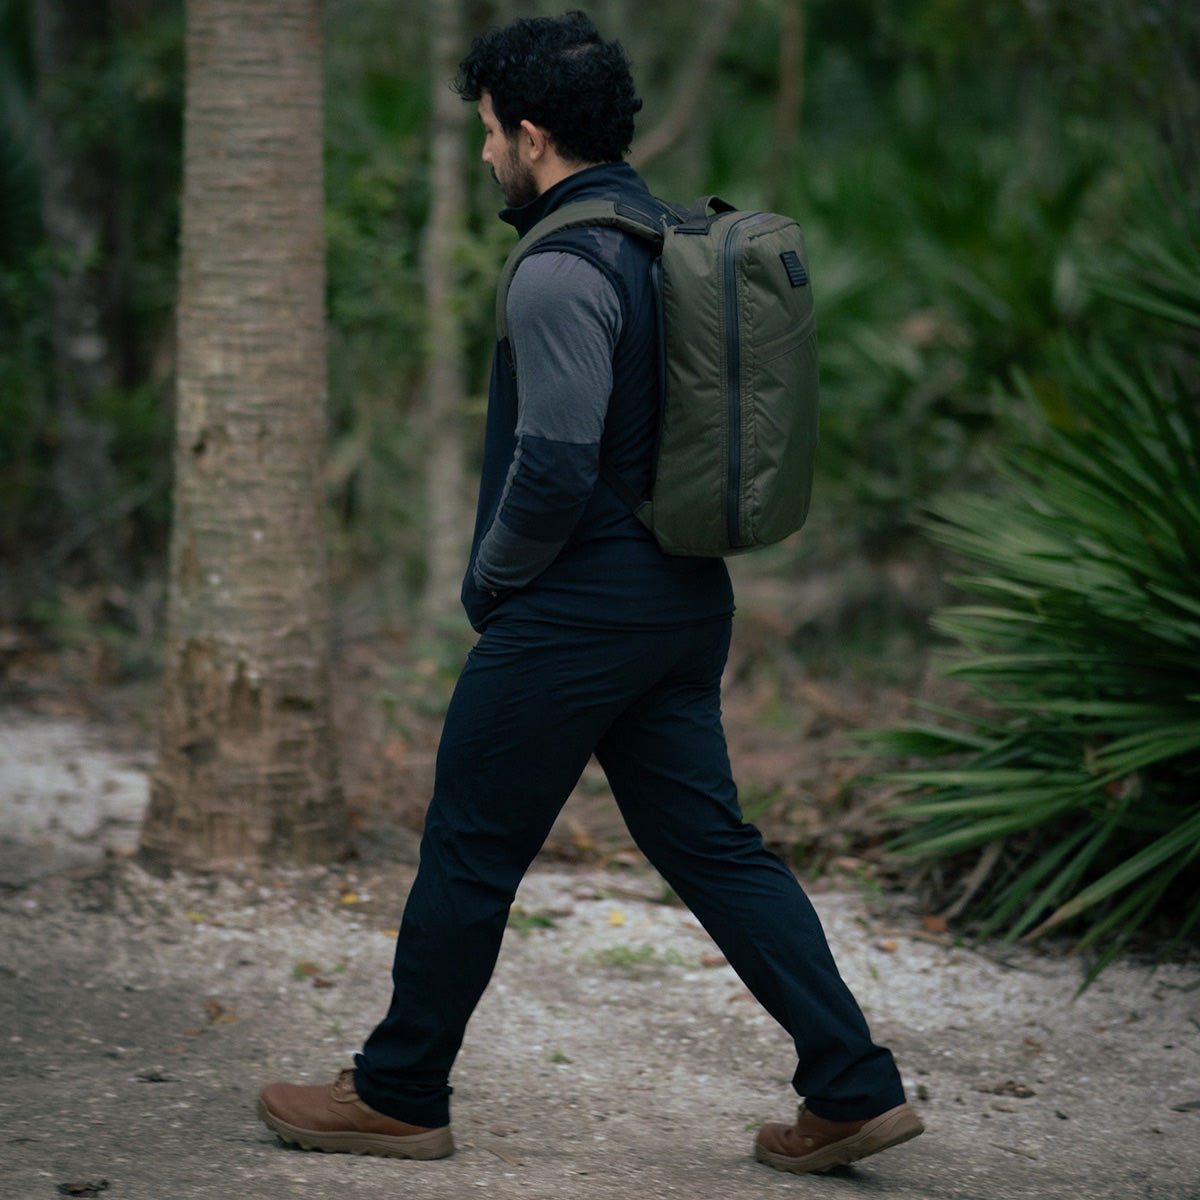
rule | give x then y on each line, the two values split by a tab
789	102
246	768
77	189
446	513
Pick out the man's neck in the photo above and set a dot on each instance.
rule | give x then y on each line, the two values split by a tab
554	170
605	176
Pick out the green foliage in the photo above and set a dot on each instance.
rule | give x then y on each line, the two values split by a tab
378	94
122	108
524	922
20	221
947	247
631	958
376	113
1084	645
24	298
375	323
958	167
24	377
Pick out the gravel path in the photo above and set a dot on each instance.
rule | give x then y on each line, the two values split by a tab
615	1054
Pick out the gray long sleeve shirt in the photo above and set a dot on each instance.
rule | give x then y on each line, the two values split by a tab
564	319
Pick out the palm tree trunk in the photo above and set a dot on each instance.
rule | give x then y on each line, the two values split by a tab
246	767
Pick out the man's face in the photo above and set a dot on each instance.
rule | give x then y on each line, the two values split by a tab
503	155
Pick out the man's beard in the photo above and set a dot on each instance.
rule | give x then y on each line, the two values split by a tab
517	185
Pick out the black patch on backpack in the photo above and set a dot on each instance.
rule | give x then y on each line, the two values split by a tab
794	267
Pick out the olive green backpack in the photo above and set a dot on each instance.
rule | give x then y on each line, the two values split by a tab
738	433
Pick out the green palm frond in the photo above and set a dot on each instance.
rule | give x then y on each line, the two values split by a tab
1083	636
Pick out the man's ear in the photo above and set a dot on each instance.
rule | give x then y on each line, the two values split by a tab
536	140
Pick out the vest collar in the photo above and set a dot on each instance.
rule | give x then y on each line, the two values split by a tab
604	178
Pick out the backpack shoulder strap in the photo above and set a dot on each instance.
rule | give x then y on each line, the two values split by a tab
572	216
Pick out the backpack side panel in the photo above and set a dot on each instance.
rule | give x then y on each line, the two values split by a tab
780	385
739	424
689	502
740	409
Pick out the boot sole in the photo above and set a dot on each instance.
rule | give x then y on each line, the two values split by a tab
897	1125
437	1143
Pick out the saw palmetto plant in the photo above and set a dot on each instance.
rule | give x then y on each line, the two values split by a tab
1078	770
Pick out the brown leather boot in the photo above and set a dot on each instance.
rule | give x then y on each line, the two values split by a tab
814	1144
334	1118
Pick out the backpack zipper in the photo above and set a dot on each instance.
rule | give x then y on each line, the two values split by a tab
733	381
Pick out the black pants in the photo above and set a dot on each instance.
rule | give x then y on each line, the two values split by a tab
531	706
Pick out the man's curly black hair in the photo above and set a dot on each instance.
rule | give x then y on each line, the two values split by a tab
558	73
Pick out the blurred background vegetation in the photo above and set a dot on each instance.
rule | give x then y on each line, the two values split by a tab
1000	202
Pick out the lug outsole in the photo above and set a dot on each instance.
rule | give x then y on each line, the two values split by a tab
437	1143
892	1128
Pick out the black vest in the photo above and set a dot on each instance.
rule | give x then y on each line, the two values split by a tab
611	571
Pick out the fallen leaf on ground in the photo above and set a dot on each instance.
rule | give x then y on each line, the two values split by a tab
1010	1087
217	1013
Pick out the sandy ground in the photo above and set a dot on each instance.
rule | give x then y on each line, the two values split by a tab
615	1055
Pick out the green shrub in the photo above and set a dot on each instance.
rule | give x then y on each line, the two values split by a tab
1084	643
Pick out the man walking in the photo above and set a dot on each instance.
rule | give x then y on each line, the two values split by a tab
591	641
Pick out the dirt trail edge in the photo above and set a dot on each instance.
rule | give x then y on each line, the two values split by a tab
614	1055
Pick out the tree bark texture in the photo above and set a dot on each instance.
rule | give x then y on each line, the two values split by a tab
247	766
445	391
